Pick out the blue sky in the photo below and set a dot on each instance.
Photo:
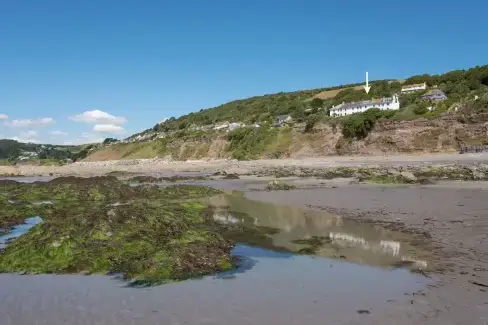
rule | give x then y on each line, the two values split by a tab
79	71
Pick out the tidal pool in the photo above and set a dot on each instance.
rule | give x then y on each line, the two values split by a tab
19	230
338	238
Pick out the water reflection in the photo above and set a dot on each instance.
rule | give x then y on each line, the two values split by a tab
339	238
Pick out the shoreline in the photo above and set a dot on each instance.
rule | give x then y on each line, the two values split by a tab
151	166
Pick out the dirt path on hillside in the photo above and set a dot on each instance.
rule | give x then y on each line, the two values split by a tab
454	218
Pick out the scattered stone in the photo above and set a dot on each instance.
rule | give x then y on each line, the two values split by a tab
230	176
279	185
363	312
409	177
478	283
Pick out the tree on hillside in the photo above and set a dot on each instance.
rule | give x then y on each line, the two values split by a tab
311	121
317	103
109	140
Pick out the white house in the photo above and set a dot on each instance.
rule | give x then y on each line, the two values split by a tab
385	103
222	126
280	120
235	125
413	88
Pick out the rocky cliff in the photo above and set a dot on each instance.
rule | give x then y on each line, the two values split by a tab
443	134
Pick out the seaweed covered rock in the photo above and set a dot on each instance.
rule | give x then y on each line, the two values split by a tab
230	176
101	225
279	185
146	241
106	188
172	179
14	213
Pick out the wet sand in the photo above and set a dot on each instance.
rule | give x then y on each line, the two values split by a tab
454	217
279	289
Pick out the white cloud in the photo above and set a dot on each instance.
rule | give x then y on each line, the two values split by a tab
163	120
31	122
18	139
27	137
109	128
3	117
29	134
60	133
99	117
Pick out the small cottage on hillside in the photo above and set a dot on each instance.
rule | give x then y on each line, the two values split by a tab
413	88
435	95
282	119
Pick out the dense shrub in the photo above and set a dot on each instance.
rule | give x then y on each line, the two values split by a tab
249	143
311	121
359	125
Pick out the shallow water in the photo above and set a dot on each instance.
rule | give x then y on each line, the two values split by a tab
277	289
361	243
19	230
29	179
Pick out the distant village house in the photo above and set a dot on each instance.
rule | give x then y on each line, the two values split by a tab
386	103
413	88
222	126
282	119
435	95
233	126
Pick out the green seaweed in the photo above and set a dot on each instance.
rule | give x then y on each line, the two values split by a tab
279	186
148	238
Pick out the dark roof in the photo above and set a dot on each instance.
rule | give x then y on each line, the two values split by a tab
435	92
283	117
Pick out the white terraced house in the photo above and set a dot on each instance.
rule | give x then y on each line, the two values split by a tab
413	88
385	103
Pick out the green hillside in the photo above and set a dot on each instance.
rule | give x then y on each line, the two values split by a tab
12	151
457	84
312	132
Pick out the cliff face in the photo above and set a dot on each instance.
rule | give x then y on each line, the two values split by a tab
419	136
443	134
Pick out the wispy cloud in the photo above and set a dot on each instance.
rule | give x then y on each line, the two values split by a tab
108	128
84	138
59	133
3	117
99	117
31	122
27	137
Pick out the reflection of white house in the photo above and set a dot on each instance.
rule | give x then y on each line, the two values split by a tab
413	88
389	246
386	246
385	103
418	263
348	238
